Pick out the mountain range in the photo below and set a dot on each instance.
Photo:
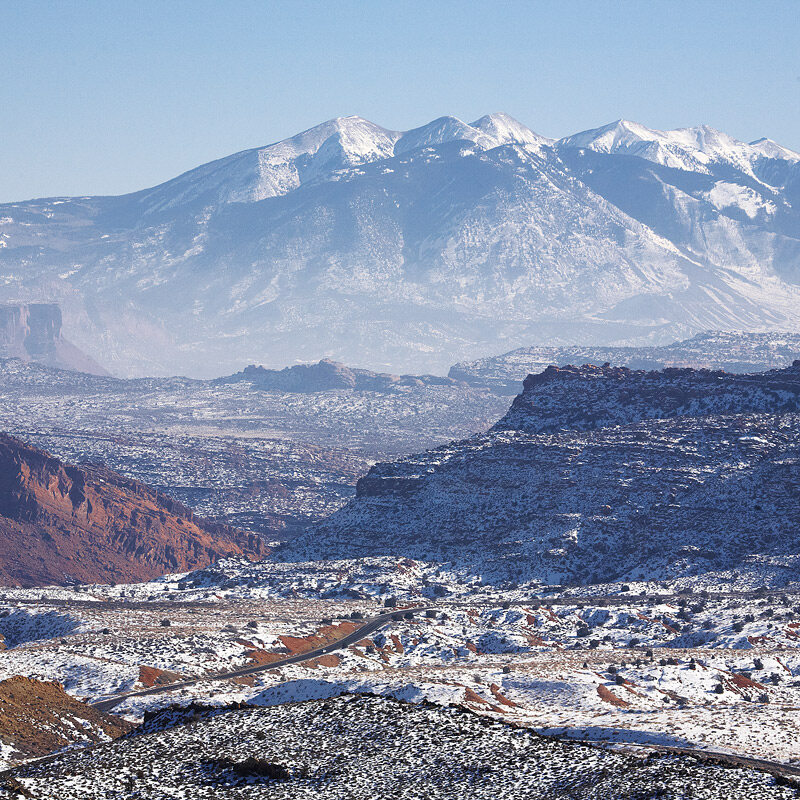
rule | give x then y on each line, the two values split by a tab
407	251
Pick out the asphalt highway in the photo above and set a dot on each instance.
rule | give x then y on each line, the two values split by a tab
370	626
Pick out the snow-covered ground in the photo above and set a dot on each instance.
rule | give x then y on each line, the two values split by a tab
720	672
365	747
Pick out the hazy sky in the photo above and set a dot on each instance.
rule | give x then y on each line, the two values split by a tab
108	97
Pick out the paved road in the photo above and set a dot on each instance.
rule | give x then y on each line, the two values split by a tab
370	626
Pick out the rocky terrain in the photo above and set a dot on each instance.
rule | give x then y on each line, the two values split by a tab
598	474
38	717
61	523
410	250
662	667
328	375
32	332
363	747
715	350
590	398
269	461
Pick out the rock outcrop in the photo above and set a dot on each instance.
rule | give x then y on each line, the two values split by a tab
327	375
61	523
590	397
32	332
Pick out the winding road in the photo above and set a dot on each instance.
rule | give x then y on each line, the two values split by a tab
370	626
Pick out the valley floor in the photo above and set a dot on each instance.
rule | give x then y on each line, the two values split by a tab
718	672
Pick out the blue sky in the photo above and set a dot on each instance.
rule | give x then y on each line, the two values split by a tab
108	97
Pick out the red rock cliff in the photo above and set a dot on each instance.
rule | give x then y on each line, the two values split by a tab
60	523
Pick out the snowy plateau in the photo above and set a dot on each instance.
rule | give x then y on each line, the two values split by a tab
412	250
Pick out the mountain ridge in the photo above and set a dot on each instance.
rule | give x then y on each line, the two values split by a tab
61	523
597	475
408	251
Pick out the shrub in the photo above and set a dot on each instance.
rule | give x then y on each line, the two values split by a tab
165	623
257	767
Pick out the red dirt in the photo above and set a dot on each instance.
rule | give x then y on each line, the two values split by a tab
473	697
609	697
741	682
324	636
37	717
328	660
500	697
152	676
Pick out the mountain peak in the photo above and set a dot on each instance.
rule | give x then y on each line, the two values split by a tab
506	130
771	149
691	149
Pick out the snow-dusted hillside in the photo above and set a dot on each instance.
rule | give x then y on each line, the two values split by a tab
410	250
717	350
596	475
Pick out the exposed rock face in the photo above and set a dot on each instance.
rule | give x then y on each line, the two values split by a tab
32	332
587	397
598	474
38	717
327	375
61	523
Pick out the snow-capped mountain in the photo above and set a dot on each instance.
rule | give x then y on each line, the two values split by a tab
410	250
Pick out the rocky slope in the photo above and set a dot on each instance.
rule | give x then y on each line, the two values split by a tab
599	474
366	747
590	397
32	332
719	350
419	248
62	523
38	717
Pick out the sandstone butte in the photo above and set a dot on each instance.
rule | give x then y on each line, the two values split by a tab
61	524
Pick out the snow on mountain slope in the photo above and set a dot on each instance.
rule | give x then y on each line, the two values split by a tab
598	475
717	350
695	149
406	251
